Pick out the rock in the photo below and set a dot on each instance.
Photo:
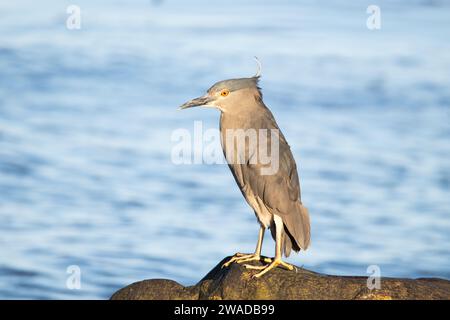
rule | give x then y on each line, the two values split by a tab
235	282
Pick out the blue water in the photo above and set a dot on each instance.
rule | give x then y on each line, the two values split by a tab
86	117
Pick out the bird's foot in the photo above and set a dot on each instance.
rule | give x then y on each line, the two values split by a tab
241	257
274	263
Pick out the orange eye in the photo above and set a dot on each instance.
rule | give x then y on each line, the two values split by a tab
224	92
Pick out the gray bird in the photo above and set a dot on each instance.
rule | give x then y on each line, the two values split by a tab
274	196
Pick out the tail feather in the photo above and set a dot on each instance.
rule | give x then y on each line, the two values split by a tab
297	233
289	243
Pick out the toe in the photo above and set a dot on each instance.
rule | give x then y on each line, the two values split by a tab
272	265
267	260
265	270
252	267
239	259
252	258
287	265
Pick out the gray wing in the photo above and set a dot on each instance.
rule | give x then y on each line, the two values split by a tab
280	192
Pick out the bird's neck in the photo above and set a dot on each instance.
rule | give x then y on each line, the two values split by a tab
235	120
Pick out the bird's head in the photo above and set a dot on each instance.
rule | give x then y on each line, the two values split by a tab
227	95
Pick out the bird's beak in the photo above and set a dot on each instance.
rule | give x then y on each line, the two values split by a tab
197	102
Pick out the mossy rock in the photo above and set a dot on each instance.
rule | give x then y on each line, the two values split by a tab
236	283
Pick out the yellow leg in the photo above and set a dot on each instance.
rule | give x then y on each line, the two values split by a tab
240	257
277	260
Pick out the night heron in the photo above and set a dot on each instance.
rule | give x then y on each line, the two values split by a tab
274	195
